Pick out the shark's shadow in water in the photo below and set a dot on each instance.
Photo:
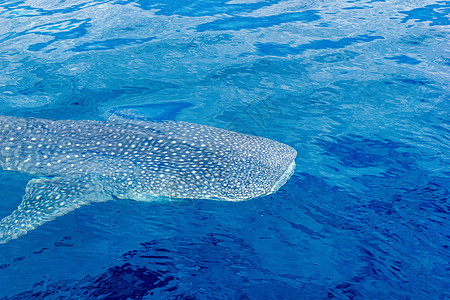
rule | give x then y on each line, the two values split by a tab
79	162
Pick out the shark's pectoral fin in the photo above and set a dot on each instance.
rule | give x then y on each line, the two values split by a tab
47	199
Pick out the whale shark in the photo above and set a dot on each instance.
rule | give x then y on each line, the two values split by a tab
77	162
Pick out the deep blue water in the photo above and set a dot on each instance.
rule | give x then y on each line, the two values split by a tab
359	88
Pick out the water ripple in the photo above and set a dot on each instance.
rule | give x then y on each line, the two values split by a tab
242	23
284	50
435	14
359	88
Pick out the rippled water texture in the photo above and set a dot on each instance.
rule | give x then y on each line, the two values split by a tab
359	88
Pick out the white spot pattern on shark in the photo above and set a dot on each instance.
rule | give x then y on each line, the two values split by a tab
79	162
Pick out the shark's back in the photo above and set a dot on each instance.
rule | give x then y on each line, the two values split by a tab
184	160
136	159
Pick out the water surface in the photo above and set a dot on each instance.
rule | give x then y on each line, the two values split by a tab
359	88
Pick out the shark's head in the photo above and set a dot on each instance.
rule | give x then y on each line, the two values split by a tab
199	161
260	168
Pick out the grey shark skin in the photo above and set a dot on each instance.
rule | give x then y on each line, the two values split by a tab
79	162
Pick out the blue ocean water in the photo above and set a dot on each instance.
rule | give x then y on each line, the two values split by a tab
359	88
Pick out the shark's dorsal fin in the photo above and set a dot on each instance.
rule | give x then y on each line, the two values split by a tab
48	198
